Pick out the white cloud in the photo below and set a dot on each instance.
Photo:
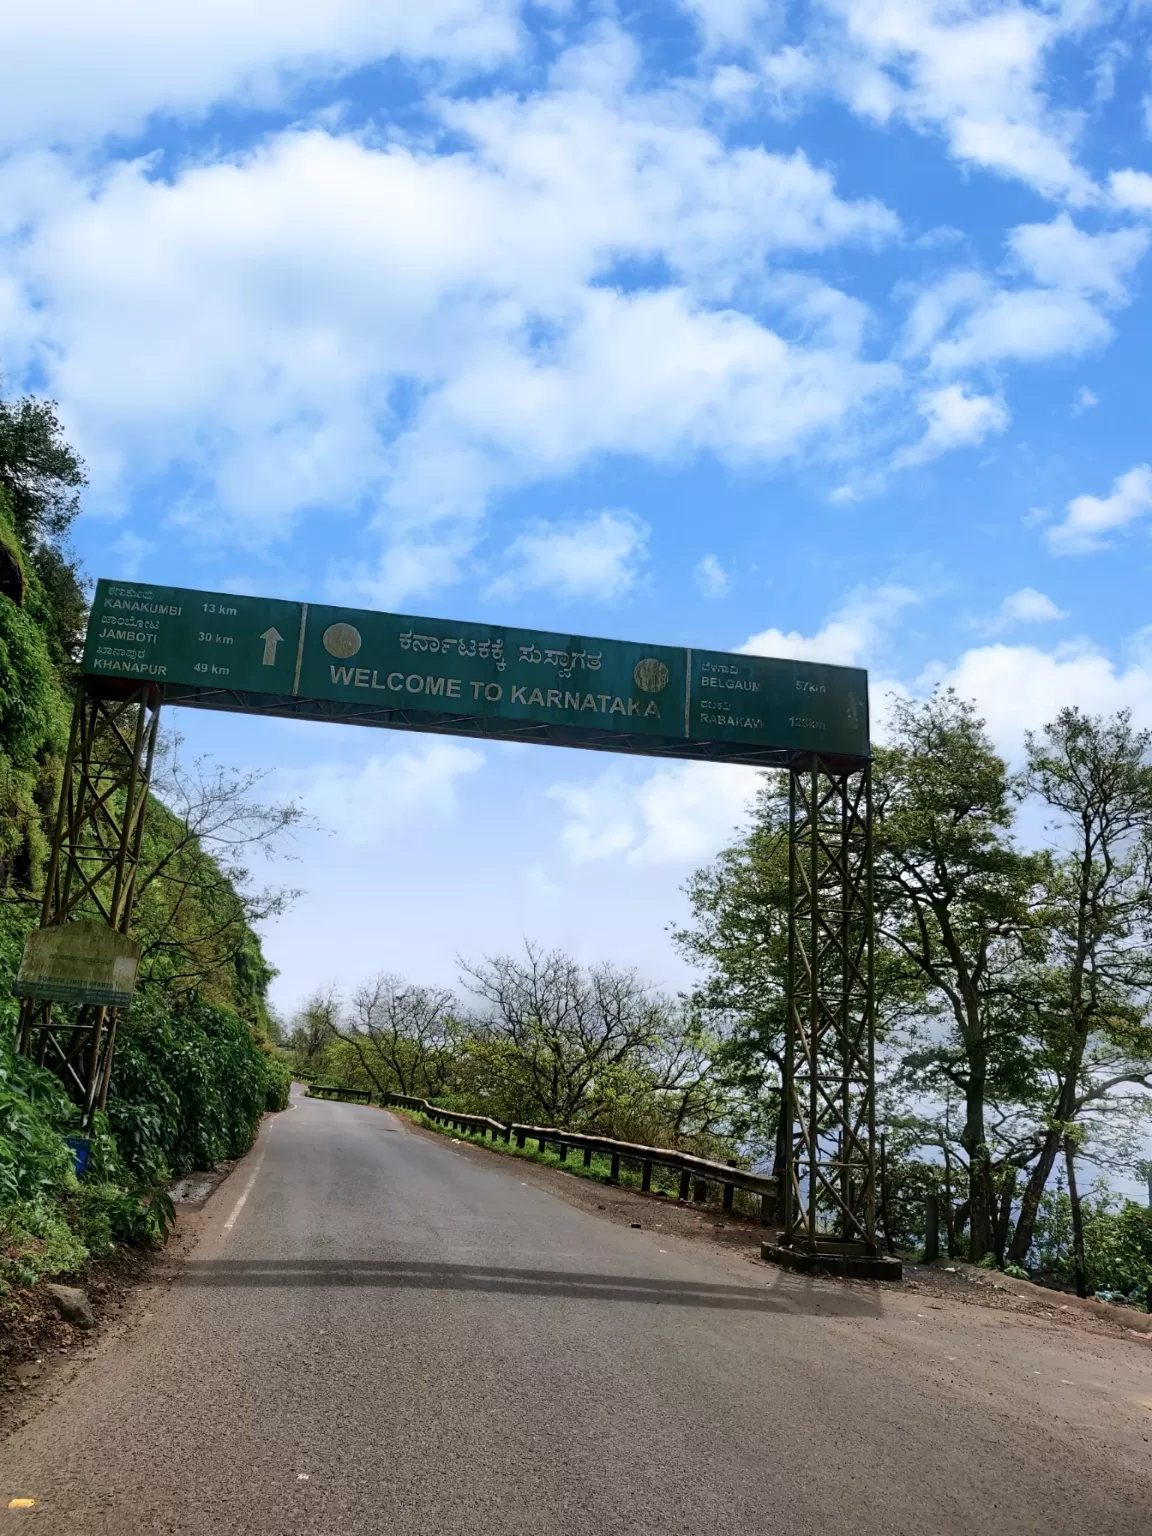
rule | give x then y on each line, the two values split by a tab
362	803
956	419
683	814
1131	190
639	173
852	637
711	577
409	565
730	22
1084	401
651	374
1061	256
129	552
595	558
325	322
1026	606
1088	518
974	72
965	320
70	70
1030	325
1020	688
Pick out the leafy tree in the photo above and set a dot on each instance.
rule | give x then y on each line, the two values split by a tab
739	937
1096	775
40	471
314	1027
42	475
959	902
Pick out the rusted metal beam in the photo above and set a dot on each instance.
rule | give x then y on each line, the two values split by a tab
829	1091
92	868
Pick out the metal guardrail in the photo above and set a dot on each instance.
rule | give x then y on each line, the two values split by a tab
345	1095
700	1171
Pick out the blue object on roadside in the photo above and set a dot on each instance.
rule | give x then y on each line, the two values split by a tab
81	1147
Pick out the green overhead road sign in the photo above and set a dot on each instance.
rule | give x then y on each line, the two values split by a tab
212	650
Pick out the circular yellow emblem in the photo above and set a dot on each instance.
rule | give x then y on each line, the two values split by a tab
341	640
650	674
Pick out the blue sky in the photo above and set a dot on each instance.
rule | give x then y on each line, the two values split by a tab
818	330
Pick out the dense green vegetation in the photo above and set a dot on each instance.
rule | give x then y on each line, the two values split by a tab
194	1069
1014	986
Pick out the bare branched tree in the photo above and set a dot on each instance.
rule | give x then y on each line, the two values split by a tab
195	901
556	1036
400	1034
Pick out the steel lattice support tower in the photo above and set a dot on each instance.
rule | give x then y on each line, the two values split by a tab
829	1196
92	867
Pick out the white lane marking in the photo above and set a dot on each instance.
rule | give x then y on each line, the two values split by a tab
239	1206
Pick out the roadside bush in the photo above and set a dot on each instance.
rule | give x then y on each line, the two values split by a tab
1118	1251
1117	1244
35	1116
188	1089
36	1241
279	1083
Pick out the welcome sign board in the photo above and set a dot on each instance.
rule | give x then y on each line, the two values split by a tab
267	655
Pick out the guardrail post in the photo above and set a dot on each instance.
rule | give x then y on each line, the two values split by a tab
508	1134
646	1177
587	1157
563	1151
701	1192
521	1138
614	1176
685	1184
729	1191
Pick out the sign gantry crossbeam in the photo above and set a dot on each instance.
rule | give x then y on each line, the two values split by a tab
150	645
264	655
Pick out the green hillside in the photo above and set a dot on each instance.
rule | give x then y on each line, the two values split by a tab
194	1068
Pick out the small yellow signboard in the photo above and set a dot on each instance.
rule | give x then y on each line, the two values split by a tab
79	962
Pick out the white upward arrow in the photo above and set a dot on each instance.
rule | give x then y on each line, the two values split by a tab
271	639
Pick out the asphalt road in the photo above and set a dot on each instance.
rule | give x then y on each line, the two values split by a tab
378	1332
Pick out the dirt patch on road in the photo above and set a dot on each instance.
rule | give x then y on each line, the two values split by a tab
954	1281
